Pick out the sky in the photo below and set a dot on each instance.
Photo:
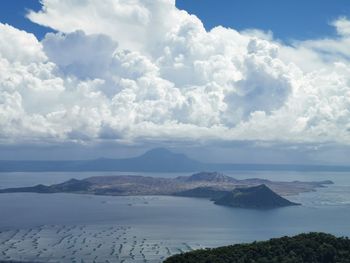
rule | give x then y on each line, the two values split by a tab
239	81
287	20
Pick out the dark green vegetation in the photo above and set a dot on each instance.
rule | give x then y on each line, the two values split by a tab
304	248
253	197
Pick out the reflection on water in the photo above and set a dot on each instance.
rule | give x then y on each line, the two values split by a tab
83	228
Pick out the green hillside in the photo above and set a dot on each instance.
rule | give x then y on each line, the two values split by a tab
304	248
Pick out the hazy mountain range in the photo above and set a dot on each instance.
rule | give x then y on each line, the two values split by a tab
156	160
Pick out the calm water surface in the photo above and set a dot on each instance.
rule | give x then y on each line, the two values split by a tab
76	228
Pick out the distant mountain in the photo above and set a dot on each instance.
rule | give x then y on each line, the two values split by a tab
156	160
259	196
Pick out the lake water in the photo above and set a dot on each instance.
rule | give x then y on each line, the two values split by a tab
85	228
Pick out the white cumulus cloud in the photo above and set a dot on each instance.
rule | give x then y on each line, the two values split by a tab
144	70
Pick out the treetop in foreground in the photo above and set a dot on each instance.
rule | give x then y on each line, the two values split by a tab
303	248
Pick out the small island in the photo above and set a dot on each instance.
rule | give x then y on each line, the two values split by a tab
260	197
222	189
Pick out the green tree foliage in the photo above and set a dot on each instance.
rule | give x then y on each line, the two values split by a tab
304	248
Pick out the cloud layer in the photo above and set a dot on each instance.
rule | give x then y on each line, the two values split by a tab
137	70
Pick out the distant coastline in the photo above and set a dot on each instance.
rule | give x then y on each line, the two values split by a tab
156	160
